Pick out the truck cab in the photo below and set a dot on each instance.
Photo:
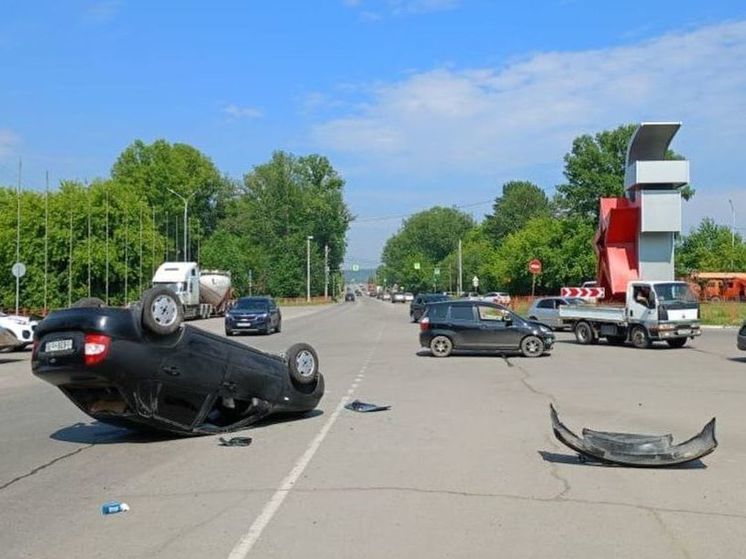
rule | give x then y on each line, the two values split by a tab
182	278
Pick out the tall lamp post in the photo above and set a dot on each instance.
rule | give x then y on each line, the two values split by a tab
732	230
184	199
308	268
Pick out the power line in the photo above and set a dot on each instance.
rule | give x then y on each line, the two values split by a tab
402	216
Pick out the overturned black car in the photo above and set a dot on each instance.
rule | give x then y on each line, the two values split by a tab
142	368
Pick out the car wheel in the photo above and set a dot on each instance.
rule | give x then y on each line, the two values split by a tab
677	342
441	346
616	340
532	346
584	333
279	327
303	364
88	302
640	338
162	313
228	332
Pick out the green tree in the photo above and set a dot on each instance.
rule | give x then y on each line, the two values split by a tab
710	248
520	202
595	168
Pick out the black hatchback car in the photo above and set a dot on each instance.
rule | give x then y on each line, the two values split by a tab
481	326
253	314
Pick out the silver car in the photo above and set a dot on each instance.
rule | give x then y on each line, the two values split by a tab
546	309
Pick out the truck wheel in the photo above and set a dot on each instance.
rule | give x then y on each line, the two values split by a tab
640	338
441	346
161	311
584	333
676	342
531	346
88	302
303	364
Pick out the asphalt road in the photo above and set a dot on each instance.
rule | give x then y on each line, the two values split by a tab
463	465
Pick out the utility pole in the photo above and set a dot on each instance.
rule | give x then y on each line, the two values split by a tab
18	233
184	199
326	272
732	232
460	271
70	264
126	254
46	241
140	273
152	263
106	245
251	283
89	240
308	268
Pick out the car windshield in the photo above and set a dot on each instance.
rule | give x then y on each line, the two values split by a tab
175	286
575	301
252	305
674	292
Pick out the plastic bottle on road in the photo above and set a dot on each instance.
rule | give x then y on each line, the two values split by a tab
114	507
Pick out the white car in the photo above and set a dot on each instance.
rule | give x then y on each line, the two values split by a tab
408	297
22	328
499	297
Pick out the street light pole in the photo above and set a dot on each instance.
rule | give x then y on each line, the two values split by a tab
326	272
308	268
184	199
732	231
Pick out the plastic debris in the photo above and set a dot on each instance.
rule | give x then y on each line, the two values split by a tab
113	507
235	441
363	407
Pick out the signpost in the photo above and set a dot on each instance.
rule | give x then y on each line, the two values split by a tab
475	283
535	268
355	267
18	270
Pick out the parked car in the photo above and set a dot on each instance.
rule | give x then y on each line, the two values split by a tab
421	300
398	298
497	297
349	297
386	296
253	314
141	367
22	327
546	310
742	337
408	297
481	326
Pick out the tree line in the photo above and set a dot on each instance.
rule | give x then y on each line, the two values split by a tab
105	239
526	224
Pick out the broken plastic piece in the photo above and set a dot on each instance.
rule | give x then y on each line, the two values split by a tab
235	441
362	407
114	507
629	449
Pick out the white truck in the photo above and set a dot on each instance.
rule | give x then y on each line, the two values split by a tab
653	311
202	293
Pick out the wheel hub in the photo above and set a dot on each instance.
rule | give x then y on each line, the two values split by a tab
164	310
305	363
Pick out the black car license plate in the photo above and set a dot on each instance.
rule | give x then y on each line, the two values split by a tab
56	346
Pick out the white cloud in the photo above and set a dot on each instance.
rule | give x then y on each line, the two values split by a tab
491	121
8	141
235	111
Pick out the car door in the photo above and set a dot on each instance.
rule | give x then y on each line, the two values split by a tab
496	331
464	325
545	311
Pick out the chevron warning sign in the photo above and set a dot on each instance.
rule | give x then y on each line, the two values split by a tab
587	292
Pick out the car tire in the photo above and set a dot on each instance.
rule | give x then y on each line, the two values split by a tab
303	364
87	303
640	338
616	340
532	346
228	332
441	346
677	342
279	326
584	333
162	313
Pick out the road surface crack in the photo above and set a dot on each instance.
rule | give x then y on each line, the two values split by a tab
45	465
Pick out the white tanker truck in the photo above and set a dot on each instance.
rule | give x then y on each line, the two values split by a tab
203	293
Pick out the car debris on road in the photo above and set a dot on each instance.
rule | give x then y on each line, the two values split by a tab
235	441
631	449
364	407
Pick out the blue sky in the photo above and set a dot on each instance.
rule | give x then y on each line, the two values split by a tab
416	102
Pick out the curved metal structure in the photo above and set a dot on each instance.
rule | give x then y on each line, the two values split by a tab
630	449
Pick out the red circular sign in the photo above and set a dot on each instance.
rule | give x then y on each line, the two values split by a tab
534	266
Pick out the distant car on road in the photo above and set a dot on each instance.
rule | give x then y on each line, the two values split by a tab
386	296
22	328
398	298
408	297
349	297
546	310
421	300
481	326
253	314
497	297
742	337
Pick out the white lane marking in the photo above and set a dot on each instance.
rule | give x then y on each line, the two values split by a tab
244	546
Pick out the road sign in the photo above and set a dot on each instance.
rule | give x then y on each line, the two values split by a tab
534	266
416	265
587	292
355	268
475	282
436	271
19	269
